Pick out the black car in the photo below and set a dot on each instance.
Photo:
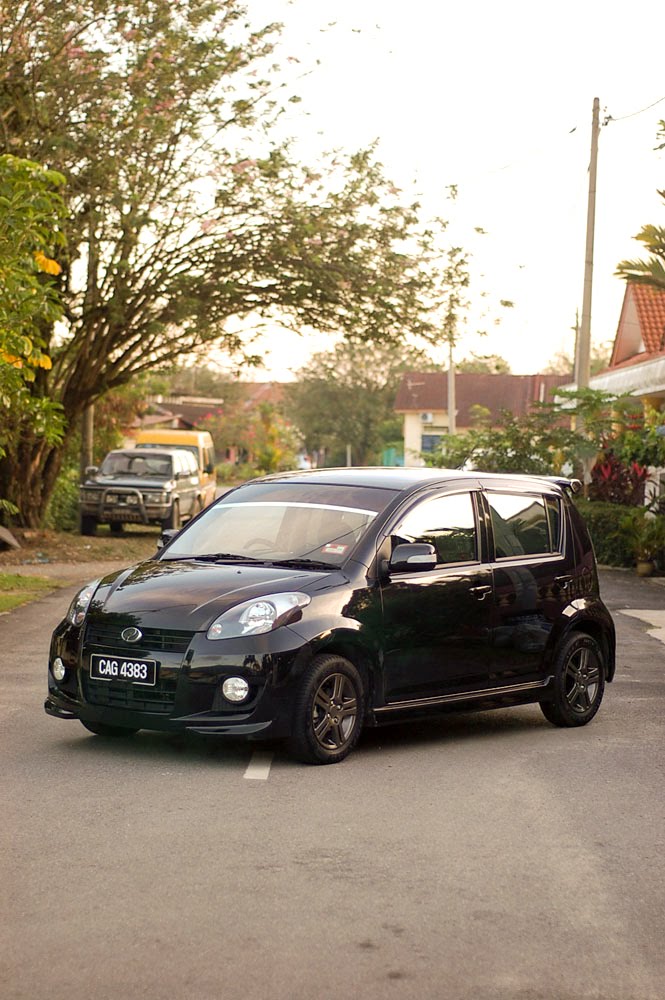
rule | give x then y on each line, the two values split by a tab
133	486
307	605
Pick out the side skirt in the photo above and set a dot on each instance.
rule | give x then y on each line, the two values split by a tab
461	696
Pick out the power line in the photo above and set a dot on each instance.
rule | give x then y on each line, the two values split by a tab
633	114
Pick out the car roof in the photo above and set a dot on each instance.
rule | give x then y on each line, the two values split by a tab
141	452
406	478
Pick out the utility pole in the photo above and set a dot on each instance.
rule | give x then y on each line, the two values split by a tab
452	425
583	353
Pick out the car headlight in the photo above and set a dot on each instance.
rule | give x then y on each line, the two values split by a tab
79	606
263	614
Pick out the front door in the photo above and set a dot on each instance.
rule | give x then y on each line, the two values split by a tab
437	623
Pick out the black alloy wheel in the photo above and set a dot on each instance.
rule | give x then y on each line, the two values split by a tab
329	711
103	729
579	682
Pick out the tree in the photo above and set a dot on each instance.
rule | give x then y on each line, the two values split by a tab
534	444
183	214
491	364
30	215
562	363
345	397
620	439
651	270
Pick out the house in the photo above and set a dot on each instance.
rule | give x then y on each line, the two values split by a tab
637	365
422	399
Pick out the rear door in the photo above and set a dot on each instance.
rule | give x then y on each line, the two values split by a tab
531	579
436	623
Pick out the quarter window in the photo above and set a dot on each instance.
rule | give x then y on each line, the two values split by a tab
521	525
446	522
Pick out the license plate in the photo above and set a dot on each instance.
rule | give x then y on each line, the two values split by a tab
120	668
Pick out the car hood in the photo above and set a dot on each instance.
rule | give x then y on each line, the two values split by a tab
185	594
136	482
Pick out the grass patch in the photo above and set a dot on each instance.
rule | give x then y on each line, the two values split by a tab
16	589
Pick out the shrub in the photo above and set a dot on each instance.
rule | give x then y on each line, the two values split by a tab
612	530
62	510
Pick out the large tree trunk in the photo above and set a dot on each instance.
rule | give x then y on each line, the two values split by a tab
27	477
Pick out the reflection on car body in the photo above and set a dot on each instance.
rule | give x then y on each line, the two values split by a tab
306	605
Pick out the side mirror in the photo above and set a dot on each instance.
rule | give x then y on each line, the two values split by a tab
209	469
166	537
91	470
412	557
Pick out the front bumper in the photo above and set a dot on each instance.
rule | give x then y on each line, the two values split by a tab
131	506
187	696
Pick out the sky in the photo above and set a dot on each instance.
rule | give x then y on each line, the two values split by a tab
495	98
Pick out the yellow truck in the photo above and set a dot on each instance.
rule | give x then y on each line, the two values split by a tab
198	442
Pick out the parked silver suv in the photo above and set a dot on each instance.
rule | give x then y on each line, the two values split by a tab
132	486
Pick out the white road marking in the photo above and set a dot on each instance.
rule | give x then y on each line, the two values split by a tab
654	618
258	768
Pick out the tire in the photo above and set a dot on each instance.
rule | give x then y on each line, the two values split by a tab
579	682
102	729
328	712
88	524
173	520
117	527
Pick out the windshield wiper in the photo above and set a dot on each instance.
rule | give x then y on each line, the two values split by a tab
303	563
233	557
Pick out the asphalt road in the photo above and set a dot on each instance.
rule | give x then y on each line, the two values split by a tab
483	857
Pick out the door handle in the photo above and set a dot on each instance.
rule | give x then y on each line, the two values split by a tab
563	581
480	592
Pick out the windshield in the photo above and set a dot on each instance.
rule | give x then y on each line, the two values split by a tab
123	464
274	531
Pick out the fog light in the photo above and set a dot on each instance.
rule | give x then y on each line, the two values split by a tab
59	669
235	689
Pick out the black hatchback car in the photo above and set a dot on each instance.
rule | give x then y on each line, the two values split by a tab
307	605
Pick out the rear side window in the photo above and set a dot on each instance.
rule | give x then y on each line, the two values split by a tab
446	522
524	525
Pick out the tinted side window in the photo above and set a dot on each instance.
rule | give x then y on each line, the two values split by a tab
554	517
446	522
520	525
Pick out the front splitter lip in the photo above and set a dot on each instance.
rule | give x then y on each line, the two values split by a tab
202	724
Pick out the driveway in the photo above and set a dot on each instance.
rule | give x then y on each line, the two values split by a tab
487	856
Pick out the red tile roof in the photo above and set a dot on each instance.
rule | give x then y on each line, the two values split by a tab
650	303
428	391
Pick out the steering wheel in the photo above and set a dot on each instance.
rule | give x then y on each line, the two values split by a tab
258	543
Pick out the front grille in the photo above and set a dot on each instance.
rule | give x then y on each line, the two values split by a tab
158	700
154	639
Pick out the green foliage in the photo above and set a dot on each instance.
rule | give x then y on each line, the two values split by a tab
649	270
492	364
31	212
563	363
613	529
264	439
62	510
536	444
579	425
345	397
186	219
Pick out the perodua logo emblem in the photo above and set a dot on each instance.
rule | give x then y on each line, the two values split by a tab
131	634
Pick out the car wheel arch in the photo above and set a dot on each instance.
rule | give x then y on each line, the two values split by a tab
355	653
587	625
